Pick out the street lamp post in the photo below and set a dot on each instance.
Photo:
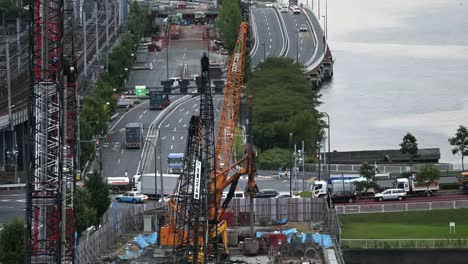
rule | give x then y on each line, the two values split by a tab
264	54
324	26
290	163
155	171
297	46
329	150
326	19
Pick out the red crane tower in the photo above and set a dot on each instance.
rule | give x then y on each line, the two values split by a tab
52	123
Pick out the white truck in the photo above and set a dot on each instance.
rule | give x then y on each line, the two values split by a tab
337	184
144	184
414	188
119	184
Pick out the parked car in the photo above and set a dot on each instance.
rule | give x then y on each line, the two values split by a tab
268	4
343	196
131	197
391	194
296	11
284	9
267	193
286	195
303	28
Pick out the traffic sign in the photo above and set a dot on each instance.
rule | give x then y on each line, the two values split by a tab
140	90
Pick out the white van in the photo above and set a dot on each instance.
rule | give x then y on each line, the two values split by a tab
236	195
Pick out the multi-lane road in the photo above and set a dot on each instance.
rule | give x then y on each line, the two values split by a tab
277	34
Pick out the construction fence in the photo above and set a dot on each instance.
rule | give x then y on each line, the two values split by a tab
400	207
118	220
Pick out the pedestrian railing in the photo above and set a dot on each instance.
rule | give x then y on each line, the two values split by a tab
403	243
400	207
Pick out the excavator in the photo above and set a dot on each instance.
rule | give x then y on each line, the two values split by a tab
195	225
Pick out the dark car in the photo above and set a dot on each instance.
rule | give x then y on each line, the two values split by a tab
343	197
267	193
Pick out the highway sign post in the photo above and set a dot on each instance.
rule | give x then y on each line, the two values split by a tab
140	90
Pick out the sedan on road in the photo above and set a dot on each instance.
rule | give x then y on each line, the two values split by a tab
268	4
131	197
303	28
391	194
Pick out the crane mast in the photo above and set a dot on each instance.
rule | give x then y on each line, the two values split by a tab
52	126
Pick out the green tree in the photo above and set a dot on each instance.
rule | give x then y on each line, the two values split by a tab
228	23
99	193
12	242
428	175
460	143
283	103
273	159
8	9
409	146
366	171
85	213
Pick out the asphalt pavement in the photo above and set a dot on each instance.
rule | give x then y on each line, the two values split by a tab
12	204
304	49
270	37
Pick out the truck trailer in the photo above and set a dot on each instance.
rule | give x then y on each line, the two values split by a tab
119	184
414	188
144	184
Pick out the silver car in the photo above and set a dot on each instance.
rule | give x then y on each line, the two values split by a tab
391	194
303	27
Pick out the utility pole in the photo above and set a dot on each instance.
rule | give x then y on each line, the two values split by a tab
97	33
160	162
107	26
85	57
303	167
168	35
295	168
7	51
290	163
18	42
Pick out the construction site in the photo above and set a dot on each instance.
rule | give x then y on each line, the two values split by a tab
198	224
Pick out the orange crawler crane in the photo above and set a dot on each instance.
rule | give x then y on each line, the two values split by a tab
181	233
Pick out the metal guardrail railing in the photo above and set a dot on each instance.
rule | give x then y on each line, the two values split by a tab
400	207
12	186
403	243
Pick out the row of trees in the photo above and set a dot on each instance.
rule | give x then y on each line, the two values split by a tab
285	111
100	104
459	141
228	21
92	201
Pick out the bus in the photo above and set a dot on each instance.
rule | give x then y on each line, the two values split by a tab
134	135
158	101
463	181
175	162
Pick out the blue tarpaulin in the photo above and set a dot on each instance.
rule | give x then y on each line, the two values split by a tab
151	239
141	241
323	240
134	248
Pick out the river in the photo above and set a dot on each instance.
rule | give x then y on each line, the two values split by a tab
400	66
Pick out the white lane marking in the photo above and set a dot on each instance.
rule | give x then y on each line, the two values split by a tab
196	110
182	109
296	24
268	28
185	125
144	112
301	47
173	138
118	162
266	55
140	117
163	138
271	40
269	33
122	151
182	137
299	55
301	41
175	129
167	125
195	105
270	46
284	181
180	120
172	147
187	112
131	109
